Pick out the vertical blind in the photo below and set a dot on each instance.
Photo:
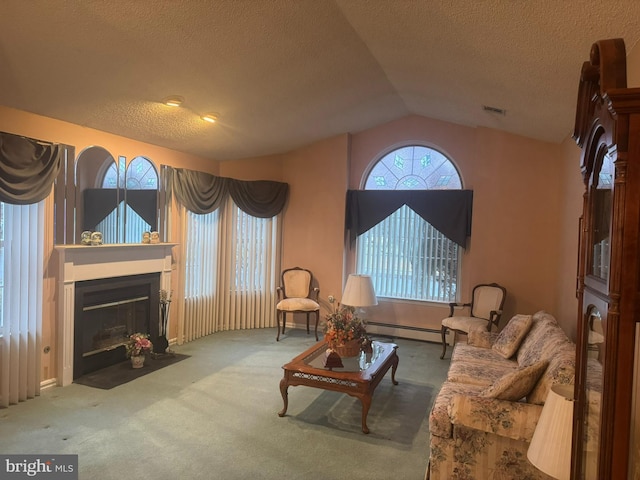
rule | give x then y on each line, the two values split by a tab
28	168
231	263
21	250
405	265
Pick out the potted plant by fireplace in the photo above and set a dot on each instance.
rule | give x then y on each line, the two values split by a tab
137	346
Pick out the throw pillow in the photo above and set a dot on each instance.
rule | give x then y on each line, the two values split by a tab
517	384
512	334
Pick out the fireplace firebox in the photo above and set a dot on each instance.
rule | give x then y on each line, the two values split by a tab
107	311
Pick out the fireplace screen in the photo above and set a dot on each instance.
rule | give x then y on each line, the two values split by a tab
107	326
107	311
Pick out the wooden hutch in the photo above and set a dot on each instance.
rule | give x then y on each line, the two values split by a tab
607	129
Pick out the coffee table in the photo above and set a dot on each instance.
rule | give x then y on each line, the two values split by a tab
359	377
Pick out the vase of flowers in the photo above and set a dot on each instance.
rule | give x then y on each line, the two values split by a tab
137	346
345	333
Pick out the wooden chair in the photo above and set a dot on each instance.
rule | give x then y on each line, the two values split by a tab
296	295
485	310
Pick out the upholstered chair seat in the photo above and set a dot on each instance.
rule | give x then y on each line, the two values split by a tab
465	324
297	304
297	295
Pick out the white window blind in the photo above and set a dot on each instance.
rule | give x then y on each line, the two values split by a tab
231	266
21	253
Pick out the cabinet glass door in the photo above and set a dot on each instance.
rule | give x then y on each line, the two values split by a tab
595	332
601	215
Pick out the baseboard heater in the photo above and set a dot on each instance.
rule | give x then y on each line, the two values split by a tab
408	331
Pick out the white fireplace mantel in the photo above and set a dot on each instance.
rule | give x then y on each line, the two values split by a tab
78	263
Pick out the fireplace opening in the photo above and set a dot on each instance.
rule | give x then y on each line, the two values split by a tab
107	311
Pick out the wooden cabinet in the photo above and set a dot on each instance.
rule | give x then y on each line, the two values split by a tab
608	131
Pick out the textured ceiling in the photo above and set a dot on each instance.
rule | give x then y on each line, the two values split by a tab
285	73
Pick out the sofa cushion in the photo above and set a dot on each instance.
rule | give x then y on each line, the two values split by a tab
544	338
517	384
463	352
561	369
477	366
512	334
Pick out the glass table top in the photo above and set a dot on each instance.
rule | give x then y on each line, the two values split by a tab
350	364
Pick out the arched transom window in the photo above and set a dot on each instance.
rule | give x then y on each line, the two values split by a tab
406	257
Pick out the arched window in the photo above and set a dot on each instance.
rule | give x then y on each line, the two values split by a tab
139	175
406	257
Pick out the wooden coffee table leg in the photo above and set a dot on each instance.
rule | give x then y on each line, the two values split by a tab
366	403
393	369
284	387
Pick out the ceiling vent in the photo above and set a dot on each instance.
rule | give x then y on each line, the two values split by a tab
496	110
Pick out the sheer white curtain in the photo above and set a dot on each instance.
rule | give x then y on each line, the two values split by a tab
21	255
230	268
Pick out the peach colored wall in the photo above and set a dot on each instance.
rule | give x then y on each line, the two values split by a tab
42	128
517	190
522	235
261	168
313	228
570	211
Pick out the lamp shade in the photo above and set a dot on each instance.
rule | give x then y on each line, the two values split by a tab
359	292
550	448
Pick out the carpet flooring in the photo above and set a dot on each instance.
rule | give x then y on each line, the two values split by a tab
121	373
214	415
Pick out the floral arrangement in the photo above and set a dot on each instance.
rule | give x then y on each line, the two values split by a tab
138	344
343	325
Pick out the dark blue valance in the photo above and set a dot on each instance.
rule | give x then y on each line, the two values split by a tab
449	211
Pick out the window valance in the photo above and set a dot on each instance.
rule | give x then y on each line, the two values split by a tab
28	168
100	202
203	193
449	211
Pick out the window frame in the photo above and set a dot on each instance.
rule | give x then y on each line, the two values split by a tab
460	251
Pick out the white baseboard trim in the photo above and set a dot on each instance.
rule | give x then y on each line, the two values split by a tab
51	382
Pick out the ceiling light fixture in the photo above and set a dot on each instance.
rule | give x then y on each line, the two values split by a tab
210	117
173	101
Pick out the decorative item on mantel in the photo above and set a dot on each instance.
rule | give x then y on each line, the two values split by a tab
96	238
162	343
137	346
85	238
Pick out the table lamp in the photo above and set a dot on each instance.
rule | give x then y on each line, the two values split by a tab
359	292
550	448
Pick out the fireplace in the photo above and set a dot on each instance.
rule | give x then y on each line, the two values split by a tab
124	278
107	311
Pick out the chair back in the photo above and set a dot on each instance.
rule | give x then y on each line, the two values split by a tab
296	282
487	298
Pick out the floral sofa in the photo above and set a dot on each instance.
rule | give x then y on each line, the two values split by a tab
484	417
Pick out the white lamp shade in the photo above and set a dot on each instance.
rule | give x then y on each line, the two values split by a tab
550	448
359	292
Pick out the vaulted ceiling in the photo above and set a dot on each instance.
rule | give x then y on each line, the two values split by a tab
281	74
